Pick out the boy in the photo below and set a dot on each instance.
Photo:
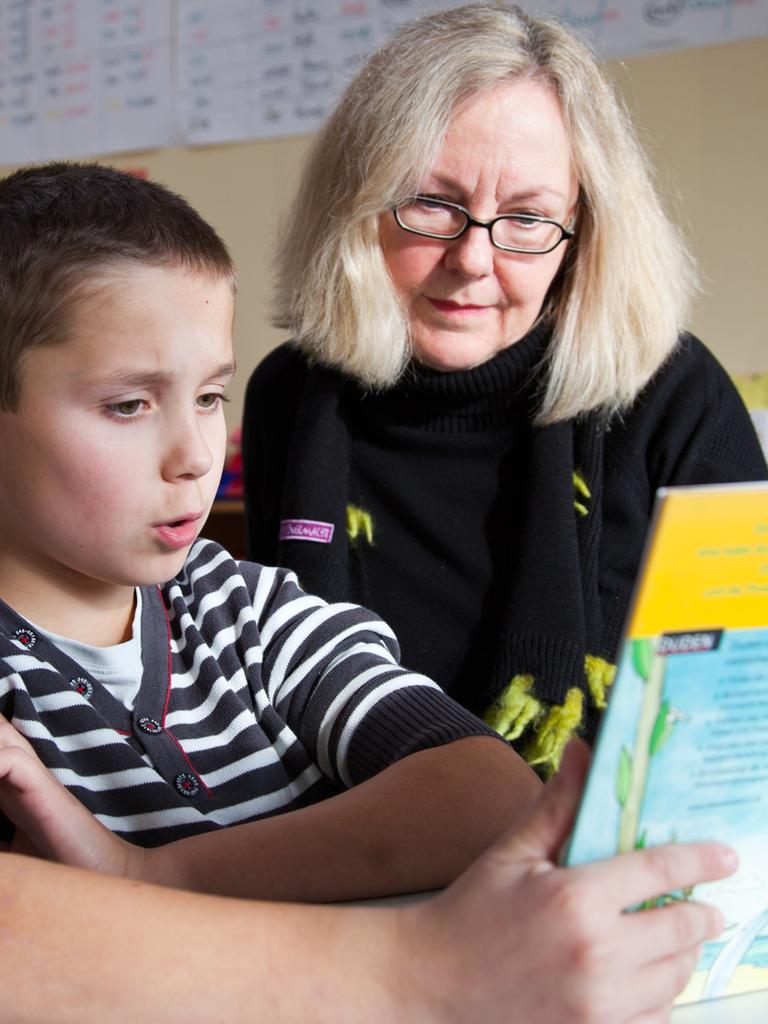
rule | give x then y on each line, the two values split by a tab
171	690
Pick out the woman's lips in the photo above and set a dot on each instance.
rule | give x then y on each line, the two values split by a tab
179	533
458	309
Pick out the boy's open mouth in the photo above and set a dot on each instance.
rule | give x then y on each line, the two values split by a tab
178	533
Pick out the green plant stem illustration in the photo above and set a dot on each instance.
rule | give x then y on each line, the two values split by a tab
651	668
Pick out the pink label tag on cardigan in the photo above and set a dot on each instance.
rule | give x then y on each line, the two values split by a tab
306	529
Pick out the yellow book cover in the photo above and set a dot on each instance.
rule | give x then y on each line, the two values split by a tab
682	753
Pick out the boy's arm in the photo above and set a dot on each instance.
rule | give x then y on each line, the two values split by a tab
414	826
516	939
428	785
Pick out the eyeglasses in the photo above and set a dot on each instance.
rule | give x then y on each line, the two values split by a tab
511	232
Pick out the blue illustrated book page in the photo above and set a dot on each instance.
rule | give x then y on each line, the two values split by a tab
682	755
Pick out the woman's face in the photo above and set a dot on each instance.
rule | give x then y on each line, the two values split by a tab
506	151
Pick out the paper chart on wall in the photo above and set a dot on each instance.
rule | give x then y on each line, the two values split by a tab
628	28
82	77
274	67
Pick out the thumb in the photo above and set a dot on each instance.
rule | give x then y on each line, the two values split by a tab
542	832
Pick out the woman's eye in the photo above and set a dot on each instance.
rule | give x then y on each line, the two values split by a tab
430	203
525	221
125	410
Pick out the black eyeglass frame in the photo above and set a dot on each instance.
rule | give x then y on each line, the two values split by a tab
472	222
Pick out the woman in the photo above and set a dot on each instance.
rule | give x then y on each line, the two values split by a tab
489	377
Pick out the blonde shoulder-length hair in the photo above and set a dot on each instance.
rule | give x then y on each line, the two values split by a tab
618	303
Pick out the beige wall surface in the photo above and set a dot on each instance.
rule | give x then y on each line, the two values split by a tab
701	114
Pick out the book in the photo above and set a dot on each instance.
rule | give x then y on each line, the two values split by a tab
682	751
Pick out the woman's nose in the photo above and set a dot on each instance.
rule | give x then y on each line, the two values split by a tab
472	254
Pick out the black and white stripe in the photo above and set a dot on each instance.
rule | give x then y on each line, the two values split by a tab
268	699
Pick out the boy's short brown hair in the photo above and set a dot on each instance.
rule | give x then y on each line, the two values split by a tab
64	224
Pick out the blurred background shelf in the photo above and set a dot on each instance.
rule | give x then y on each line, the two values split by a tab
226	525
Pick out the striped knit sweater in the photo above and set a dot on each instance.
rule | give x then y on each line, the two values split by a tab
255	698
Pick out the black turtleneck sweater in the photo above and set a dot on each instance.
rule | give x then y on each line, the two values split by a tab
481	560
439	462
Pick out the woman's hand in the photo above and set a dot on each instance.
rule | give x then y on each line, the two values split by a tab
50	822
518	938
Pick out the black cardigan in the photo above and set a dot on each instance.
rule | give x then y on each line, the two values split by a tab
578	547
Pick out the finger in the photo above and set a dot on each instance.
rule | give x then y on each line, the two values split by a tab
647	993
658	984
11	737
21	767
632	878
666	931
660	1016
543	830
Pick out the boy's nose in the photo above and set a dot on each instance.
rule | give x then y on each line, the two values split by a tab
187	453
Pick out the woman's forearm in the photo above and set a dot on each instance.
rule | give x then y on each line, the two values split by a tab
79	947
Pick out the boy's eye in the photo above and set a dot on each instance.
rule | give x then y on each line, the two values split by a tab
125	409
211	401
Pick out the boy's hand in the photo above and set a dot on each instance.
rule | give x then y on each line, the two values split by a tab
49	821
518	938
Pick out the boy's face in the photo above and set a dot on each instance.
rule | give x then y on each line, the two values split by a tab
111	461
